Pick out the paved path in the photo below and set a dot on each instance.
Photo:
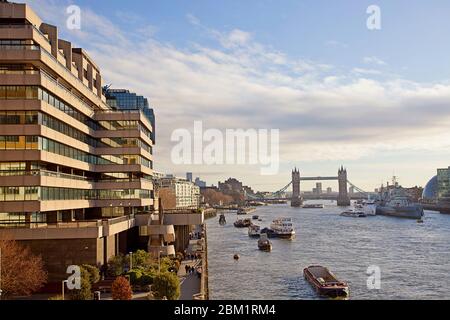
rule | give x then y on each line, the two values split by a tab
190	283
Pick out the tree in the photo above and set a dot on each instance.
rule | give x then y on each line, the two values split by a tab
141	259
116	265
85	292
121	289
93	272
22	272
166	285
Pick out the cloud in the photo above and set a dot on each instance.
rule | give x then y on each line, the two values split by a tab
366	71
374	60
336	44
324	114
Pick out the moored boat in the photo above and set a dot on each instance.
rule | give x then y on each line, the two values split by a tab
313	206
283	228
353	213
245	210
254	231
270	233
396	203
325	282
255	217
263	243
222	219
242	223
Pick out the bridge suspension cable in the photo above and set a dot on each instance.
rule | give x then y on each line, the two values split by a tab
357	188
273	194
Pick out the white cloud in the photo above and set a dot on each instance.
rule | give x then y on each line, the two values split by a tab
374	60
322	114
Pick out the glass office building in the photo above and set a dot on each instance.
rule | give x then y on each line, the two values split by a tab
126	100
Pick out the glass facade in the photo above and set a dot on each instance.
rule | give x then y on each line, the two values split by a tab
126	100
55	194
443	181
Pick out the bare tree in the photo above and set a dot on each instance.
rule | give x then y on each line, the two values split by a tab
22	273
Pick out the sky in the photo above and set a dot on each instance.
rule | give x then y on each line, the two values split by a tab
375	101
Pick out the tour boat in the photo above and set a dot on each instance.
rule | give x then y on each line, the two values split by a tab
283	228
263	243
353	213
222	219
242	223
325	282
254	231
369	207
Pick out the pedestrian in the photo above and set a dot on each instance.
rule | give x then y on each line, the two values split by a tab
186	268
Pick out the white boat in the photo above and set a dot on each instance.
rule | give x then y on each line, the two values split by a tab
254	231
369	207
353	213
283	228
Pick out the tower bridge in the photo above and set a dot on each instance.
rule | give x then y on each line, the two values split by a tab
343	198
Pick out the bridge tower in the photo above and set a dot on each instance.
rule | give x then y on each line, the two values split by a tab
343	198
296	200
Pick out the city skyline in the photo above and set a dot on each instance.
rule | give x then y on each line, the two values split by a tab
339	93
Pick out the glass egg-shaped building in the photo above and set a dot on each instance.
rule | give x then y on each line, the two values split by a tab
430	191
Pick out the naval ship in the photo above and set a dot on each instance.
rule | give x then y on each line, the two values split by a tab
395	202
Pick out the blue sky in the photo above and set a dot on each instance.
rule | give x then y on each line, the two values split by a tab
412	40
375	101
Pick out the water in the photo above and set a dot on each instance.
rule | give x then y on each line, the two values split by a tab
414	258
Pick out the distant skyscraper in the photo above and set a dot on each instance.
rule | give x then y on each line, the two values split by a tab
319	187
189	176
200	183
124	99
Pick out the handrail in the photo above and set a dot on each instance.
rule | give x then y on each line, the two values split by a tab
9	173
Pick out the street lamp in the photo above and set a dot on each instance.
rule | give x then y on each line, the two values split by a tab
0	273
63	284
131	260
159	262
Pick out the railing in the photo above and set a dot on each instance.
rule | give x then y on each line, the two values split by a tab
19	47
59	225
42	173
51	79
119	219
46	173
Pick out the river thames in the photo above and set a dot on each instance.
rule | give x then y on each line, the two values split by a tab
414	258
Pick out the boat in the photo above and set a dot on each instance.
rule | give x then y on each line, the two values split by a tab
245	210
283	228
353	213
242	223
395	202
222	219
263	243
255	217
259	219
369	207
254	231
270	233
236	257
325	282
313	206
